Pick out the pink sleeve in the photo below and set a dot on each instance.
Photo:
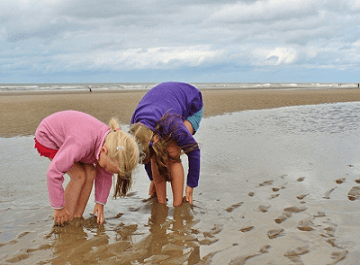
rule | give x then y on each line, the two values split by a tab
69	153
103	182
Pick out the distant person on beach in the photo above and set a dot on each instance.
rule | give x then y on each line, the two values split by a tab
89	151
164	123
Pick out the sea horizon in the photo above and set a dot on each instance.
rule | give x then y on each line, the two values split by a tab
18	87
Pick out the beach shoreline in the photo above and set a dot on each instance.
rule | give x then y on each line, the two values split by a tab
21	112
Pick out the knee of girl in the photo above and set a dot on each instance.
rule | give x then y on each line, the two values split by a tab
175	165
159	181
80	178
90	178
90	172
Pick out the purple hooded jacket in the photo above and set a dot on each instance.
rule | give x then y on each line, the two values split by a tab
180	99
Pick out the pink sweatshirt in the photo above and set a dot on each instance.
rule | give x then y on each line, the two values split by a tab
78	137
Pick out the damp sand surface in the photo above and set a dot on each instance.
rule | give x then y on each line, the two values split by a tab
277	186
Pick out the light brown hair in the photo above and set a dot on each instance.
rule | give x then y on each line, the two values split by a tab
149	148
124	149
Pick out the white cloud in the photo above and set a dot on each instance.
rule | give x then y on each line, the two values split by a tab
77	35
264	11
354	5
151	58
276	56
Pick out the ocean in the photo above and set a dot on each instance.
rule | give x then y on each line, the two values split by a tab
147	86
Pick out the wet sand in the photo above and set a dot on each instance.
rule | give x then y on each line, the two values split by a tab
277	186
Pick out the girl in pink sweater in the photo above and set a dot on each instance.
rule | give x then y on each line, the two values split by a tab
89	151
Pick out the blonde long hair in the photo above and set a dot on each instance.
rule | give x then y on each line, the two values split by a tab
124	149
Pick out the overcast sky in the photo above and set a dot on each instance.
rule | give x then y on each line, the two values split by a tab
179	40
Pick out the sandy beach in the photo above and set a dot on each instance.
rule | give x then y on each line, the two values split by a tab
277	185
21	112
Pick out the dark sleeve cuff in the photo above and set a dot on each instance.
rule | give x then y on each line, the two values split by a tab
148	170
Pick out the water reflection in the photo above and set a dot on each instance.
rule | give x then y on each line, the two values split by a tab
73	242
170	240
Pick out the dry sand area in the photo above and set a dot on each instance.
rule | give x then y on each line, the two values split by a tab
21	112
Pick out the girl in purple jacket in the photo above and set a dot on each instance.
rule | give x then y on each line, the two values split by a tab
87	150
164	123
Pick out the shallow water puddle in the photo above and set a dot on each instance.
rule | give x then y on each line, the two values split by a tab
275	188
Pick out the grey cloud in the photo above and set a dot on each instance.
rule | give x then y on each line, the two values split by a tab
46	30
264	11
55	36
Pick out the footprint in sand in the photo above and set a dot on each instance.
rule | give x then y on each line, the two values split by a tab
331	241
209	237
294	255
263	208
306	225
319	214
340	181
302	196
274	233
328	233
23	234
273	196
283	217
251	193
287	213
338	255
327	194
233	207
275	189
213	231
243	259
266	183
295	209
208	241
301	179
354	193
246	228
